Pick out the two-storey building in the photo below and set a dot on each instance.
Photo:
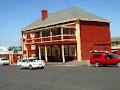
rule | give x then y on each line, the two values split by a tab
65	35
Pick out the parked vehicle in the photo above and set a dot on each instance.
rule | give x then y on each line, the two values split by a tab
4	61
31	63
104	58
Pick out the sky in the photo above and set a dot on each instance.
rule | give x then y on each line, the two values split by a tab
16	14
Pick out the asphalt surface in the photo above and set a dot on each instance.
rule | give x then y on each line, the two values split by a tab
60	78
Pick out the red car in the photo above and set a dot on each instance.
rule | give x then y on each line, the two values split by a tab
104	58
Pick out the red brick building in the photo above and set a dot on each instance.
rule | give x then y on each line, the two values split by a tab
66	35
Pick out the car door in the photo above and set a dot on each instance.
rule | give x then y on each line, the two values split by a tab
109	59
22	63
26	63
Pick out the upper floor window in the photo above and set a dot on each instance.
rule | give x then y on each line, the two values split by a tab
56	31
69	31
46	33
37	34
43	33
65	31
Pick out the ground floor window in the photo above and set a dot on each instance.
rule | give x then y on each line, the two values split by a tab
48	50
42	49
72	50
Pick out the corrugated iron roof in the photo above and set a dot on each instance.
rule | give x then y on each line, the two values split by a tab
70	14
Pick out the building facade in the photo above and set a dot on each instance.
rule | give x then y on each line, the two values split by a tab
10	55
115	45
66	35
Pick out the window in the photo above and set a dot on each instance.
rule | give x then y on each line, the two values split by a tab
48	50
114	43
33	60
69	31
56	31
37	34
59	31
42	50
96	55
65	31
40	34
72	50
32	47
108	56
24	60
45	33
115	56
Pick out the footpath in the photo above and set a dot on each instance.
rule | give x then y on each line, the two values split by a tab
71	63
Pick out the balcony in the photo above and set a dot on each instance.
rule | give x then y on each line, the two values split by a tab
53	35
52	39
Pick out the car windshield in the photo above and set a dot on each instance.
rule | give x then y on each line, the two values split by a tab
33	60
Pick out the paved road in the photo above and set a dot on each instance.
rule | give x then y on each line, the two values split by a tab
60	78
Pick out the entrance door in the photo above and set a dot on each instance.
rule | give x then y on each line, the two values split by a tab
56	53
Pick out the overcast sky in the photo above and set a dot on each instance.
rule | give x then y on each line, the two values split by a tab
15	14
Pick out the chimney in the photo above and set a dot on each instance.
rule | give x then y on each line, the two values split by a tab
44	13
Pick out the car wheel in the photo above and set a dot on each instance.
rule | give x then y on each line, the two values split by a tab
118	64
96	64
30	67
20	66
42	67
